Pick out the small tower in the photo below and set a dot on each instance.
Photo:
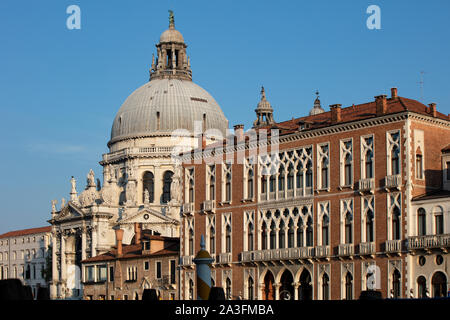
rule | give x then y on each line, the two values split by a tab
317	109
172	61
264	112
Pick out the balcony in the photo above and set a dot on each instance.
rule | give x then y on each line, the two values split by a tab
224	258
136	151
187	261
278	254
393	182
367	248
366	185
188	209
323	252
441	241
209	206
393	246
346	250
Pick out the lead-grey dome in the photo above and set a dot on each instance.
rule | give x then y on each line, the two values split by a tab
177	103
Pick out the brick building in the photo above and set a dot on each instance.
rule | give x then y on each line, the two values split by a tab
329	214
151	261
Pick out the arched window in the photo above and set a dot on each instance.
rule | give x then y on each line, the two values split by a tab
395	160
281	178
228	187
369	164
299	177
421	287
250	184
309	174
439	283
228	239
281	236
272	183
291	233
300	232
348	286
250	285
263	184
273	235
28	272
212	240
369	226
264	236
419	166
212	187
191	190
167	181
396	284
148	183
250	237
228	289
421	222
348	170
324	173
438	220
191	242
325	287
348	228
290	178
309	232
325	228
396	224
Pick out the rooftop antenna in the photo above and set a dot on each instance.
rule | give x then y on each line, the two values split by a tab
421	84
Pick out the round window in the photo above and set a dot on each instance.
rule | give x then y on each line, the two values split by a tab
146	216
439	259
422	260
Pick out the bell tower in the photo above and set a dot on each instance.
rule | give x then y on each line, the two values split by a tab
172	61
264	112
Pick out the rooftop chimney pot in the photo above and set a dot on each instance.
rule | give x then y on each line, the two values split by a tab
433	109
381	104
239	132
335	113
119	237
394	93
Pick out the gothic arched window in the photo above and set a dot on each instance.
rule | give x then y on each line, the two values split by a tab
309	232
325	226
300	232
325	287
250	237
348	228
281	235
250	285
395	160
396	224
369	226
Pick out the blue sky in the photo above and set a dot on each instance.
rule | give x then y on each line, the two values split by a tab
60	88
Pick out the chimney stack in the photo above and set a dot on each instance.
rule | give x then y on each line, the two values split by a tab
394	93
137	233
381	104
239	132
335	113
433	109
119	237
201	141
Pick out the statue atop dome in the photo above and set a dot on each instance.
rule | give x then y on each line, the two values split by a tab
171	19
264	112
317	109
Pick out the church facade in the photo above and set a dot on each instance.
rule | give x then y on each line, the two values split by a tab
141	183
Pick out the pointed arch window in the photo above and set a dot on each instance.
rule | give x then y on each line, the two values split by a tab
348	286
263	184
250	234
250	285
228	239
395	160
396	224
324	173
281	236
369	164
300	232
291	232
228	289
309	174
212	239
149	185
309	232
191	242
250	184
290	178
325	287
264	236
325	230
281	178
273	235
299	177
369	226
348	228
396	284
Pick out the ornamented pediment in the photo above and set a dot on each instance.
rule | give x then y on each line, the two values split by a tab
70	211
147	216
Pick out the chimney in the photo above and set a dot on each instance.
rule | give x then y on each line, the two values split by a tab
239	132
201	141
335	113
119	237
394	93
137	233
381	104
433	109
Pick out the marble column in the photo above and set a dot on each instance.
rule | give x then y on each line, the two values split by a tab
277	290
296	285
94	241
83	243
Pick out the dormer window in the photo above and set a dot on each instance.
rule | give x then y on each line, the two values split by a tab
146	245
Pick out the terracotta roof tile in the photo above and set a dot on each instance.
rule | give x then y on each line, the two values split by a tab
25	232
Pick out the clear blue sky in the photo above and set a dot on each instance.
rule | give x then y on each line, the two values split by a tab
60	88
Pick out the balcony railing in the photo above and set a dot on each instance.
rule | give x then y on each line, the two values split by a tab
393	246
366	185
224	258
186	261
278	254
134	151
346	249
209	206
322	251
188	208
393	181
429	242
367	248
